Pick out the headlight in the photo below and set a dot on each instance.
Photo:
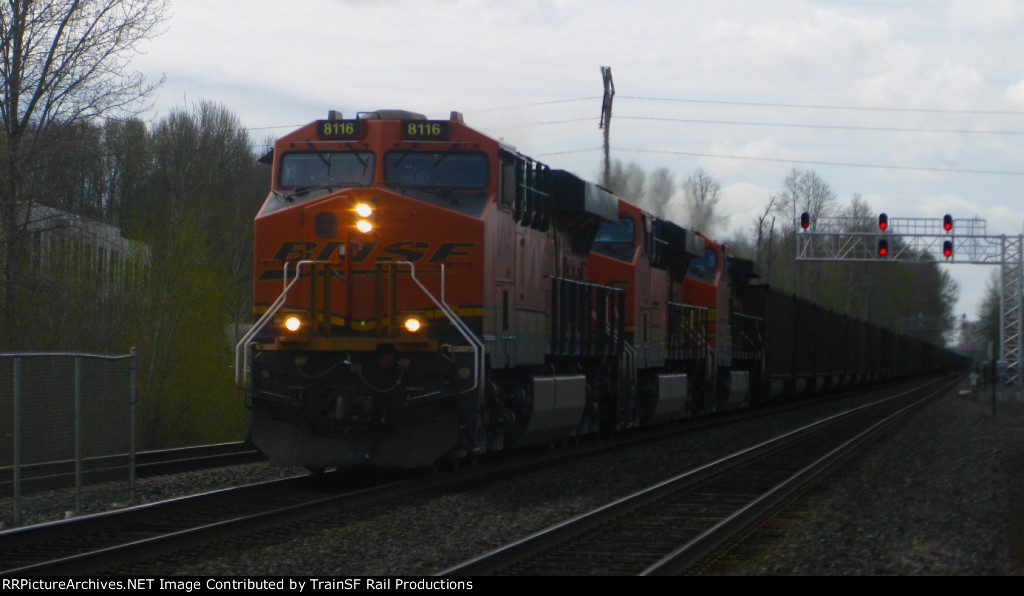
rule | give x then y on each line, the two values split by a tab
292	323
365	212
412	324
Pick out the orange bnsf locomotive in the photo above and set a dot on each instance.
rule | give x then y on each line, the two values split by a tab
426	294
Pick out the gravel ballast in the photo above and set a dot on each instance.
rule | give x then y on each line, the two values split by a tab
941	494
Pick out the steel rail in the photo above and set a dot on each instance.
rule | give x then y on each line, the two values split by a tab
92	532
502	559
52	475
92	555
700	547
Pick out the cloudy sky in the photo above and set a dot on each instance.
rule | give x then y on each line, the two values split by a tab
916	105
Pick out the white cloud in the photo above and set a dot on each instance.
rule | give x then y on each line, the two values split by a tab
986	17
1014	94
277	67
744	202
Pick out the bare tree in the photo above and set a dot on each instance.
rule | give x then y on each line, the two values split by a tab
804	190
988	329
61	62
860	277
627	181
703	195
658	193
765	251
204	178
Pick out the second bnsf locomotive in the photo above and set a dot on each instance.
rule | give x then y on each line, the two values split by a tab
426	293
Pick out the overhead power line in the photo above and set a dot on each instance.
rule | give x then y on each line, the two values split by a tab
825	107
531	105
798	125
827	163
568	151
791	161
827	126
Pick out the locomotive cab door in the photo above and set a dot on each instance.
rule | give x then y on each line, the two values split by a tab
503	328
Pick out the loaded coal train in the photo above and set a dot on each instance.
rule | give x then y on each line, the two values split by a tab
426	294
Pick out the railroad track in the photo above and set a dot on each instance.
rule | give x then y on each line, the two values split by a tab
669	528
100	542
45	476
141	539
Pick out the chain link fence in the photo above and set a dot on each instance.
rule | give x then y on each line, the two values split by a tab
67	421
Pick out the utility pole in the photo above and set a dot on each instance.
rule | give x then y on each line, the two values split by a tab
606	119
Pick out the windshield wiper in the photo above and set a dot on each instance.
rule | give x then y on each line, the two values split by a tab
404	155
347	149
320	154
445	156
305	189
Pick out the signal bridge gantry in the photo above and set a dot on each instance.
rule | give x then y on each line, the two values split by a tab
927	240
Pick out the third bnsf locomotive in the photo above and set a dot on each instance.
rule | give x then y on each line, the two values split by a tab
426	294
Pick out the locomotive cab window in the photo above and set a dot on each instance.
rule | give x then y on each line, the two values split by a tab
616	239
616	231
436	169
705	267
305	169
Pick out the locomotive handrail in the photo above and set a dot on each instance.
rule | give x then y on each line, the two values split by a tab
628	363
460	326
581	323
242	367
696	331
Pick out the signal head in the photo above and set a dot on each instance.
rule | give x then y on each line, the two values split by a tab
883	247
805	220
947	248
883	222
947	222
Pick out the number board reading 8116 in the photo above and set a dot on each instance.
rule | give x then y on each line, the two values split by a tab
339	129
424	129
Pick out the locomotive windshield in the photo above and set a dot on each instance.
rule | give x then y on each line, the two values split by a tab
436	169
616	231
616	239
304	169
704	267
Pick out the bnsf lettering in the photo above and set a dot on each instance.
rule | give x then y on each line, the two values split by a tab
362	252
404	251
295	251
452	249
303	251
331	251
